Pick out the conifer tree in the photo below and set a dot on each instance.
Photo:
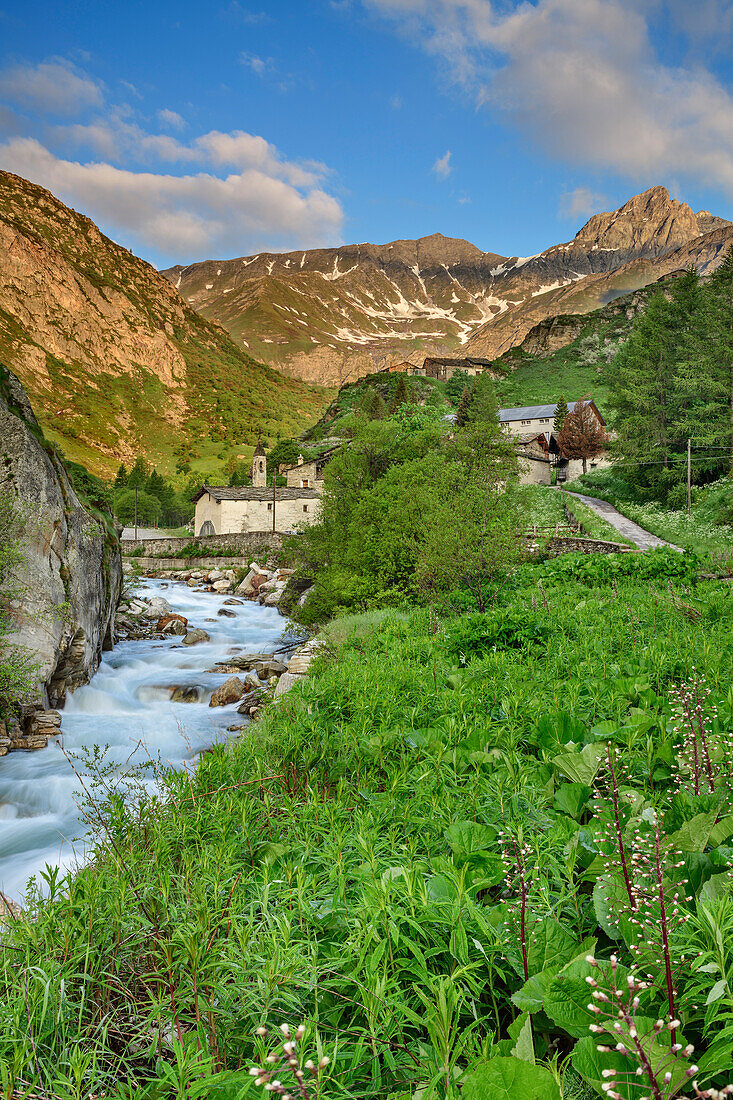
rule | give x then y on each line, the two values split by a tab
582	436
374	406
561	412
121	477
464	405
706	371
401	396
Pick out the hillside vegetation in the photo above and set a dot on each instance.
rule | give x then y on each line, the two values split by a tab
115	362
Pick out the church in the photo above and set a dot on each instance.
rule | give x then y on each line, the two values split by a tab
225	510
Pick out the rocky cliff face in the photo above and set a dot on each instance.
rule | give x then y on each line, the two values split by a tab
116	363
334	315
69	584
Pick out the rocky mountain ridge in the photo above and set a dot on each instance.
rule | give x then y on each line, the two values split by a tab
115	361
330	315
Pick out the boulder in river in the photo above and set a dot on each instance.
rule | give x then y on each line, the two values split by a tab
231	691
249	700
157	607
166	620
185	694
195	636
270	667
175	627
227	614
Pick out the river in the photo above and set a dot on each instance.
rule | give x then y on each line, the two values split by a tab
127	707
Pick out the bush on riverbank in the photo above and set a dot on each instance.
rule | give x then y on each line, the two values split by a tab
345	866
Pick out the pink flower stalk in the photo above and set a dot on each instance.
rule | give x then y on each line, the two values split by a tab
615	1005
693	725
285	1060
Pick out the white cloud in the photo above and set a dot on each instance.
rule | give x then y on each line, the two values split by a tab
53	87
119	140
581	203
172	119
581	78
443	167
184	217
258	65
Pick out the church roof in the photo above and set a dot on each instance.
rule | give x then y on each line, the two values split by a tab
259	450
249	492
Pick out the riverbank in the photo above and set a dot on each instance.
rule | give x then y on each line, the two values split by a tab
150	704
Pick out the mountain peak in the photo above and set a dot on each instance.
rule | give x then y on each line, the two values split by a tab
648	224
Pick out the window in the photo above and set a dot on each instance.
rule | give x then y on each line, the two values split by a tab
545	420
305	484
526	421
305	507
269	507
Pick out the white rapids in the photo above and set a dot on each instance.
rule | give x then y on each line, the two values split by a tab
126	706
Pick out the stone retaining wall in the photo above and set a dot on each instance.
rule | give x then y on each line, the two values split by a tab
572	545
156	564
249	542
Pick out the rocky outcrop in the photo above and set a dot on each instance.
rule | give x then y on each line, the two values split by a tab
69	582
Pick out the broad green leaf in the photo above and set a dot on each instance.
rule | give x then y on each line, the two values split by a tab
694	835
531	997
590	1063
524	1049
568	996
581	767
721	831
467	837
441	888
717	991
570	798
609	901
510	1079
717	886
551	944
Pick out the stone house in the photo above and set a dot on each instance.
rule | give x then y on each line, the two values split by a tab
534	459
308	475
530	420
444	368
225	510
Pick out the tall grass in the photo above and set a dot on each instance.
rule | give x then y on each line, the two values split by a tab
340	866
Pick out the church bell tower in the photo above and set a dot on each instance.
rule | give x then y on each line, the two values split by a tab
259	467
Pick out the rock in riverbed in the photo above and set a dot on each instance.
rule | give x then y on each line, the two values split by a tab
231	691
195	636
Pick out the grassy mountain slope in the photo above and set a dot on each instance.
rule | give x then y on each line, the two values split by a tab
115	362
566	354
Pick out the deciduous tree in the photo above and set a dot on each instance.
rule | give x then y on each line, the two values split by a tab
582	435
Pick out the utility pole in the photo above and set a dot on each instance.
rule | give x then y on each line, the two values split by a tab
136	513
689	492
274	483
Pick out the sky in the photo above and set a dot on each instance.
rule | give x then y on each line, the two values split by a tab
195	131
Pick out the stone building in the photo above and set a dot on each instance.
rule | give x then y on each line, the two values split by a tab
308	475
529	421
534	459
444	368
225	510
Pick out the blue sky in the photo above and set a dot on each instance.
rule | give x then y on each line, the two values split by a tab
190	131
